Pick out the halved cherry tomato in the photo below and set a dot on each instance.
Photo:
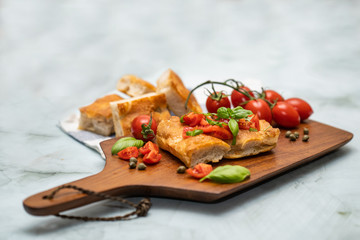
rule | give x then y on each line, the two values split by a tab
145	133
239	99
215	101
148	147
285	115
152	157
200	170
128	153
192	119
302	107
273	96
260	108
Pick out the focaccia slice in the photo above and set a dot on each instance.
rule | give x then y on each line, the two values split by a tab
193	150
176	94
134	86
97	117
124	111
252	143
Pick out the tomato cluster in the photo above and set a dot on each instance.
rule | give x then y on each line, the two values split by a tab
268	105
150	151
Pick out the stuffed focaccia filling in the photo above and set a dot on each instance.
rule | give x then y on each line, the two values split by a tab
225	124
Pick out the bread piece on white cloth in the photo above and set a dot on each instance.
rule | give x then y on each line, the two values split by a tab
97	117
124	111
176	93
134	86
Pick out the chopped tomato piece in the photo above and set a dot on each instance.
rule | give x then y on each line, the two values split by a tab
203	122
152	157
216	131
211	130
200	170
128	153
255	120
148	147
253	123
192	119
187	129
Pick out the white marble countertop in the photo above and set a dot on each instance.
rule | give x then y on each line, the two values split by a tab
59	55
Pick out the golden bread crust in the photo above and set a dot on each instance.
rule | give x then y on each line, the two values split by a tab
124	111
97	117
190	150
101	107
171	84
134	86
252	143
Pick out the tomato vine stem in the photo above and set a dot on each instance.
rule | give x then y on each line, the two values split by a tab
225	83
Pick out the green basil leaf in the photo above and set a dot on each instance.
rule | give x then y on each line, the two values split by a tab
125	142
182	118
223	112
194	132
228	174
239	113
253	130
234	128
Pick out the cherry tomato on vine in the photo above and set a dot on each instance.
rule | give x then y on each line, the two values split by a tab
260	108
140	128
273	96
285	115
200	170
217	100
238	99
302	107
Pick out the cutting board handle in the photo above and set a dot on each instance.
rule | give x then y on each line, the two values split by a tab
65	199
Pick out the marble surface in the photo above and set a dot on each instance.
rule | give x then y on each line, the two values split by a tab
59	55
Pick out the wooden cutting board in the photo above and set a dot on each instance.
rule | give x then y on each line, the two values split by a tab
161	180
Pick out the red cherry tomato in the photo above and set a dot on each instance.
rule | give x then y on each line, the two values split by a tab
273	96
148	147
200	170
214	102
285	115
140	128
152	157
238	99
302	107
128	153
260	108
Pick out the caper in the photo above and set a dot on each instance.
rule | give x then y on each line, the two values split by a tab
296	134
306	131
292	137
287	134
132	165
181	169
133	159
141	166
305	138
